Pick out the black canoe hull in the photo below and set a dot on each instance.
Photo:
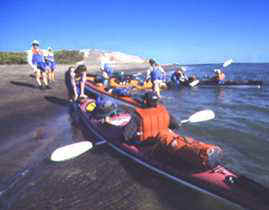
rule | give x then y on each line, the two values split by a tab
232	83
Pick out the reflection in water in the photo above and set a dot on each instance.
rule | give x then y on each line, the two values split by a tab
220	94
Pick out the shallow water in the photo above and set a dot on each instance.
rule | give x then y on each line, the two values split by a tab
241	126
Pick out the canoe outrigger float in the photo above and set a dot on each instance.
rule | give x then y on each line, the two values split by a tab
147	140
232	83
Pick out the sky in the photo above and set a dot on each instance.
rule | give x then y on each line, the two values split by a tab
171	31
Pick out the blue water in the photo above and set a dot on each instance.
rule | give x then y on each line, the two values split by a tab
241	126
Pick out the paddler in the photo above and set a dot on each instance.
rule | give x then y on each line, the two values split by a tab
104	110
219	76
75	79
179	77
107	72
155	73
51	64
39	64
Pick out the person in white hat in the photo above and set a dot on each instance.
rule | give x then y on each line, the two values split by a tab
51	64
40	66
219	77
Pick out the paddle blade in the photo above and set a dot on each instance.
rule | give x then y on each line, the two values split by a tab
70	151
194	83
227	63
200	116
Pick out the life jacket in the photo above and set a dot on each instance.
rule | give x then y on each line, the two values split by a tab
192	151
37	56
152	122
120	91
221	76
156	74
108	70
114	83
50	57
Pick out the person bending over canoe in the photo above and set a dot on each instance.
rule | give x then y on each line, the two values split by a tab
39	64
75	79
155	73
219	77
178	77
107	72
51	64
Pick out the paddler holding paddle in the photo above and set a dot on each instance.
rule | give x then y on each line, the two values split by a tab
219	77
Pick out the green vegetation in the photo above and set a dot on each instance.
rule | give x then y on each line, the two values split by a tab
13	58
68	56
61	57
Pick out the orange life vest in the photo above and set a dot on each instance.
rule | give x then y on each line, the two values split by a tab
221	76
37	51
153	121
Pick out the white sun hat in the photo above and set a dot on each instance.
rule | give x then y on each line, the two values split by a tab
217	70
35	42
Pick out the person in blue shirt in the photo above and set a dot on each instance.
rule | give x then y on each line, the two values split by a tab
107	72
51	64
39	64
105	108
155	72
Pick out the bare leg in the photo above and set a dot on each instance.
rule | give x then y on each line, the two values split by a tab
49	75
45	79
156	88
53	76
82	87
37	77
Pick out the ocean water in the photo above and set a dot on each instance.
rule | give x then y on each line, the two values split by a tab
241	125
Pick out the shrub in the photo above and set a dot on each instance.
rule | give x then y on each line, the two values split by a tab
13	58
61	57
68	56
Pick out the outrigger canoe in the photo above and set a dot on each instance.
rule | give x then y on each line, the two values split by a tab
184	160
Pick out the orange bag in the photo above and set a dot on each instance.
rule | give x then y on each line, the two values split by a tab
193	151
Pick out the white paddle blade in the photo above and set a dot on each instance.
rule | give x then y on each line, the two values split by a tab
194	83
200	116
227	63
70	151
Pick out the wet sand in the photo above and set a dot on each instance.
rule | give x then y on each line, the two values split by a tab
34	123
